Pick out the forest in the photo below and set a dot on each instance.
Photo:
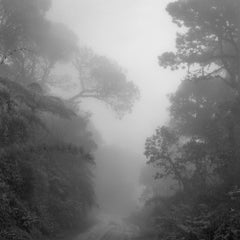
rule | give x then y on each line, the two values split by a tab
198	149
49	144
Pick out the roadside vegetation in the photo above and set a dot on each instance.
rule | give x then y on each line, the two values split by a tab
46	142
197	152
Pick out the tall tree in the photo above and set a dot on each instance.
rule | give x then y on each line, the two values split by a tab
104	80
202	139
208	44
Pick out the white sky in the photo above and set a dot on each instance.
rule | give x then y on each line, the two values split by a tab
133	32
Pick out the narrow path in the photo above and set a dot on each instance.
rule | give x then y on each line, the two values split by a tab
110	231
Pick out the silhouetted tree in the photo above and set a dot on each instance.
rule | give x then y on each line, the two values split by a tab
200	145
104	80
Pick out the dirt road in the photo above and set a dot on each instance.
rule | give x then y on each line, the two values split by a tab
110	231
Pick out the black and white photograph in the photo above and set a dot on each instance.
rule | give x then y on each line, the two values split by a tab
119	119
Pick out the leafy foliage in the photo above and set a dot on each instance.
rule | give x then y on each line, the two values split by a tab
105	80
200	146
31	45
209	44
46	179
39	179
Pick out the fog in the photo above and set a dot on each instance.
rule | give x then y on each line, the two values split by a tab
133	33
119	119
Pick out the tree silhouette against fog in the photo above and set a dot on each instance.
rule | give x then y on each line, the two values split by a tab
199	148
104	80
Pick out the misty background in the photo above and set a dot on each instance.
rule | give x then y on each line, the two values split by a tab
119	119
132	33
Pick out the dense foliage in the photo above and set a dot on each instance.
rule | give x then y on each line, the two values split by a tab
45	182
46	179
199	148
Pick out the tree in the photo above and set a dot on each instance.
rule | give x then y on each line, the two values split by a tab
162	150
36	168
31	50
209	48
46	179
41	174
104	80
209	43
201	140
15	29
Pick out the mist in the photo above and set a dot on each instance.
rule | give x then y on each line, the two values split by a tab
126	32
119	119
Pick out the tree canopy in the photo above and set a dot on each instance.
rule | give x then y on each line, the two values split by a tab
105	80
32	45
199	147
208	45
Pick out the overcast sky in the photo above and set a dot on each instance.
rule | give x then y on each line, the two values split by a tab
134	33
